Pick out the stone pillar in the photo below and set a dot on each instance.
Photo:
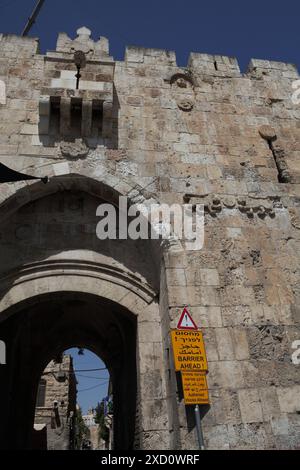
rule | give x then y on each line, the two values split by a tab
44	110
65	116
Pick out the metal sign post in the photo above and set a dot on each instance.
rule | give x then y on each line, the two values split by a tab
199	428
190	360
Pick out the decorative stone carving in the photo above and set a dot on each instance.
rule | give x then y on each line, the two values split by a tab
182	81
183	89
214	204
185	105
74	150
229	201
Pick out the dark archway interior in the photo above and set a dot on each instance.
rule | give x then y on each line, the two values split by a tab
50	325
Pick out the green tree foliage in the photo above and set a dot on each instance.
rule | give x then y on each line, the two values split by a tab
100	420
81	430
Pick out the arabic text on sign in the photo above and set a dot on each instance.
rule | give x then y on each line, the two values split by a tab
189	350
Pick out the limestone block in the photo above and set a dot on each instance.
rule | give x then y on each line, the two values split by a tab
210	296
154	415
149	331
209	277
225	406
216	438
230	375
269	403
150	357
134	54
240	343
225	345
176	277
237	315
280	425
207	316
248	436
251	374
250	405
159	440
289	399
29	129
152	385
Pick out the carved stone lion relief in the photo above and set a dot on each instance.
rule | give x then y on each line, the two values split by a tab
182	87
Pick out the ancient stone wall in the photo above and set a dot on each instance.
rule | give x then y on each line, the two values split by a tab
59	406
201	134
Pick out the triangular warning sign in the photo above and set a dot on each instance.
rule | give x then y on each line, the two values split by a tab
186	322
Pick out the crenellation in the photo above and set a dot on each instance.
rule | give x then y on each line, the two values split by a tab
265	69
214	65
149	56
18	47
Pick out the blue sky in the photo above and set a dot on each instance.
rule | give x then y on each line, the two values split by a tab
92	385
264	29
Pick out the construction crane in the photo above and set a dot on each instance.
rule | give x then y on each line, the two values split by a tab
32	18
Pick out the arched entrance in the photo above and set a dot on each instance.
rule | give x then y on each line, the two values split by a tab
60	287
58	322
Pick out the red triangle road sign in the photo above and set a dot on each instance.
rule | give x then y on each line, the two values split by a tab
186	322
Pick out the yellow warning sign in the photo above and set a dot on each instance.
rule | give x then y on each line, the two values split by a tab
195	388
189	350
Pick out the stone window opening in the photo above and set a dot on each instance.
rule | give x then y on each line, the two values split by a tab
41	394
54	127
76	116
77	119
97	118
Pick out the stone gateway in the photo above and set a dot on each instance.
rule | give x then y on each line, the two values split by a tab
156	133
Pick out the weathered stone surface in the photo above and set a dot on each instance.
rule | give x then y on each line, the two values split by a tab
56	405
153	131
76	149
250	406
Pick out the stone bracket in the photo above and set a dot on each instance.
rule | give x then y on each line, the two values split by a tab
44	109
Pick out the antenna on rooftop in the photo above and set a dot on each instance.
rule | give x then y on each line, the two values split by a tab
32	18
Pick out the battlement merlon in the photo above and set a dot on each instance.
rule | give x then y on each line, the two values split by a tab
12	46
208	64
211	64
265	68
150	56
